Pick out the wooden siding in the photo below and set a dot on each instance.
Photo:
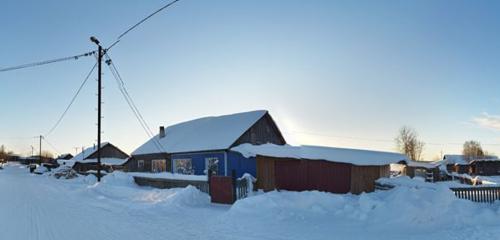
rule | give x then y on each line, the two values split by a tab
329	176
265	173
109	151
132	164
363	177
485	168
461	169
305	174
263	131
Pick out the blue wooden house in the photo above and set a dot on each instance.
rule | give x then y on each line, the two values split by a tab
195	146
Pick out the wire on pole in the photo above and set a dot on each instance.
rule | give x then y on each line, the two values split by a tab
34	64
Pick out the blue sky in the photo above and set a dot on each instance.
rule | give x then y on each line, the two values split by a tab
335	73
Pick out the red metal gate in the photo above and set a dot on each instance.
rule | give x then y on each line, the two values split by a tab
291	175
221	189
302	175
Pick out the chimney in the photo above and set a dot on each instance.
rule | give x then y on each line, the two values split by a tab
162	132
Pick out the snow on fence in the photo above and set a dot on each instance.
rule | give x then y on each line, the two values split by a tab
171	183
478	194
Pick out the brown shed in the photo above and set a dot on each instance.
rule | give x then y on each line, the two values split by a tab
335	170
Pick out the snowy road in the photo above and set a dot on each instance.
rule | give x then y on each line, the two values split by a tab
36	207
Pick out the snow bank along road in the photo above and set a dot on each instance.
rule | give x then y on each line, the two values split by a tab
42	207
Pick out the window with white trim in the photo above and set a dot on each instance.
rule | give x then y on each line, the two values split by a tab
183	166
212	164
159	165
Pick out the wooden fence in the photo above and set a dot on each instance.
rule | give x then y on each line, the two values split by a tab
171	183
241	188
478	194
236	188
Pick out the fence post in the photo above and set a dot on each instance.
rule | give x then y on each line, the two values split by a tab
209	175
233	177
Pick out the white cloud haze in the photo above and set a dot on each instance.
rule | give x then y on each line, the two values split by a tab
488	121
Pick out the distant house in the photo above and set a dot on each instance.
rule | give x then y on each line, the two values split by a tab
112	158
485	167
195	146
456	163
300	168
428	170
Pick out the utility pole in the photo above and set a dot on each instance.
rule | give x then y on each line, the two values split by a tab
40	157
99	88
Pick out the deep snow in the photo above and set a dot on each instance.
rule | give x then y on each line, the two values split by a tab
42	207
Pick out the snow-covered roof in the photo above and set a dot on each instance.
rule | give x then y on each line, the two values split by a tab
105	161
460	159
342	155
423	164
454	159
486	160
87	152
202	134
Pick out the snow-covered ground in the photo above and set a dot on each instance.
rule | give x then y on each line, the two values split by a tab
42	207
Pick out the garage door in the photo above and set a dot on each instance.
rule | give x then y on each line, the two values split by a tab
301	175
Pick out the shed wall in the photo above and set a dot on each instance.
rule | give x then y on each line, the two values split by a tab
265	173
363	177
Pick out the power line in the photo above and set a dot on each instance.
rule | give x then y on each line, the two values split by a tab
142	21
34	64
131	104
72	101
52	146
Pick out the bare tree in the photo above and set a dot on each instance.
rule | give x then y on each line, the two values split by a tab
408	143
472	150
4	154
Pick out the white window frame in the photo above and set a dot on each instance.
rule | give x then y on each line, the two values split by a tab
158	160
206	164
182	159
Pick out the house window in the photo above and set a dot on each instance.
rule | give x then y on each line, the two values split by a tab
212	165
140	165
159	165
420	173
183	166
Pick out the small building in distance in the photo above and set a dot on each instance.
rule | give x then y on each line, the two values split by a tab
485	167
301	168
428	170
112	158
456	163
